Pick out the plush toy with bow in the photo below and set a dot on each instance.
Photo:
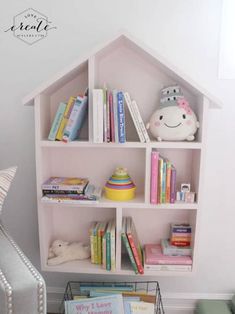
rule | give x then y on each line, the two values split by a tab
174	120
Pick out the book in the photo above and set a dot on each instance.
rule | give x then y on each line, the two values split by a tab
91	235
181	228
98	117
160	178
105	122
134	117
65	184
168	181
101	231
127	245
180	243
154	177
164	267
140	121
76	119
67	112
115	110
121	118
169	249
141	307
153	255
112	304
66	200
57	121
113	245
173	185
108	245
111	118
163	192
134	244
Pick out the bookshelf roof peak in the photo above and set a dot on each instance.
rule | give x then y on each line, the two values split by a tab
125	38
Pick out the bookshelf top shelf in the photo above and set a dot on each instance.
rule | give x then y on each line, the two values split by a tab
78	144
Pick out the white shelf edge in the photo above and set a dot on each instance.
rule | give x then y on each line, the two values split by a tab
84	144
110	204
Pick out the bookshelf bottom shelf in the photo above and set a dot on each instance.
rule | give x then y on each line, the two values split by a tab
86	267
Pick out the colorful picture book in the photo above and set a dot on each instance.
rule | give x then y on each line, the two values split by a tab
69	119
112	304
109	118
163	180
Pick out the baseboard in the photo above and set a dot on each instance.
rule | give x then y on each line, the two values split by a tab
174	303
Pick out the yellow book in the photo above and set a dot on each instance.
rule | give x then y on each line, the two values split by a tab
59	135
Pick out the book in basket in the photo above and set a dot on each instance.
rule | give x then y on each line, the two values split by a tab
112	304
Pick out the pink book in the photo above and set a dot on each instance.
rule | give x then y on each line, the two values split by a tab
111	117
179	235
154	177
154	256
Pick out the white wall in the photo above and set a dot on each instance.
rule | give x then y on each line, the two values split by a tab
187	33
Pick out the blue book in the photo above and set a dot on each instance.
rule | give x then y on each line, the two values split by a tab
121	118
112	304
76	119
56	122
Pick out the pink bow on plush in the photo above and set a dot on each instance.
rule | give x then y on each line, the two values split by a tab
182	103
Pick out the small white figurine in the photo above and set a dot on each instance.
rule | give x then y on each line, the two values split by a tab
174	120
61	252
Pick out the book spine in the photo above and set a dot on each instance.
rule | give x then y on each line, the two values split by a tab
91	231
111	112
134	117
99	245
68	110
75	192
129	251
115	110
121	118
98	115
181	229
104	116
180	239
141	123
108	251
95	242
160	177
181	234
112	245
57	121
135	253
104	251
168	181
173	185
154	177
180	243
163	195
108	118
167	267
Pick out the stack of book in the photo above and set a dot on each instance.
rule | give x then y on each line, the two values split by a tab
109	121
156	260
163	180
69	119
69	190
103	244
132	245
181	235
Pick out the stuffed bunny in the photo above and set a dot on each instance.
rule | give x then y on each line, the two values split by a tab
61	252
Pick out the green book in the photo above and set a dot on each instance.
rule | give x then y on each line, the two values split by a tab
127	245
56	122
108	246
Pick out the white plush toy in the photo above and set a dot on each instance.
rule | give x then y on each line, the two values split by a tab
61	252
174	120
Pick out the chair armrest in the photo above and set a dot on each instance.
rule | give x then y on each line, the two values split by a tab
22	288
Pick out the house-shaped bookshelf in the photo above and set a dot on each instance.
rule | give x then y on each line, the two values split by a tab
122	63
